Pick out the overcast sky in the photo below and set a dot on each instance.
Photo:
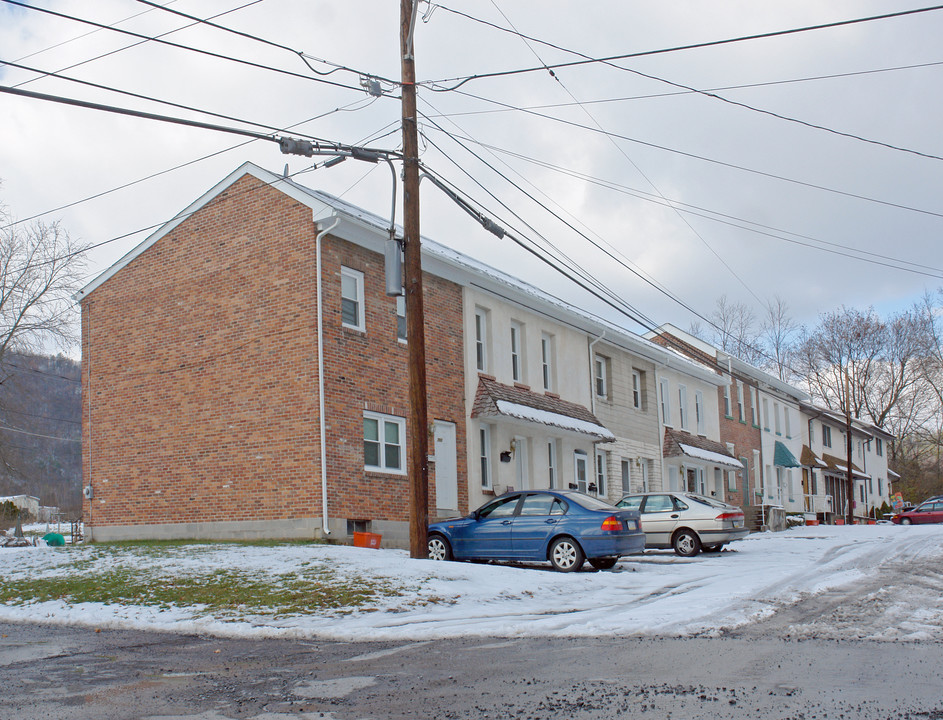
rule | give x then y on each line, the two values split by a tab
698	196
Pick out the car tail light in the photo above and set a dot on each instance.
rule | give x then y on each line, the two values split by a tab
612	523
730	516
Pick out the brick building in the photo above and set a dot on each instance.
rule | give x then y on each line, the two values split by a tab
201	375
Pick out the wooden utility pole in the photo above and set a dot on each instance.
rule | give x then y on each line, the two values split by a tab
415	331
850	519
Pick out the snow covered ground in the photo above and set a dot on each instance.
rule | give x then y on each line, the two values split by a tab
895	572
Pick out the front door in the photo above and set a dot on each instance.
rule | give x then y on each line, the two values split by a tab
580	469
521	464
446	468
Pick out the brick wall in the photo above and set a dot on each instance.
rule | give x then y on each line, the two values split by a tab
200	373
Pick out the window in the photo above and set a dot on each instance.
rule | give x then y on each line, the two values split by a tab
401	317
776	418
552	463
811	431
879	446
871	485
626	477
542	505
826	436
815	483
881	487
481	339
601	458
699	411
484	454
352	299
384	439
766	414
860	452
683	406
787	424
517	358
727	401
546	360
636	389
600	375
664	392
504	506
754	407
740	411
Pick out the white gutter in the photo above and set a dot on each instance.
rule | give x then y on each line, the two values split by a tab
323	231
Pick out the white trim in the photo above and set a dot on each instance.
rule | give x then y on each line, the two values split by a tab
357	277
382	420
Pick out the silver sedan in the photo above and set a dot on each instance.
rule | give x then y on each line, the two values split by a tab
686	522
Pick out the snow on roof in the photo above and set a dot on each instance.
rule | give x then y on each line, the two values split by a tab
709	455
545	417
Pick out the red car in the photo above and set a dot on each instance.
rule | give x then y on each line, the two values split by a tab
930	511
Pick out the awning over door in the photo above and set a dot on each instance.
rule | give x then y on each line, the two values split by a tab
783	457
680	443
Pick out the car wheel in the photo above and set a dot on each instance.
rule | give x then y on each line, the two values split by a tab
439	548
905	521
686	543
603	563
566	555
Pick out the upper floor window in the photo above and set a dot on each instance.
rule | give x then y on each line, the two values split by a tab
636	389
787	423
517	357
401	317
384	442
879	446
754	407
601	376
741	415
683	406
727	409
766	414
664	392
811	431
352	299
776	418
546	360
699	411
481	339
826	436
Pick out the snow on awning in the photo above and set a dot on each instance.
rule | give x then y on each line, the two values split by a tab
710	456
546	417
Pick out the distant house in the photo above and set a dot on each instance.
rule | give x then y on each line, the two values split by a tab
25	503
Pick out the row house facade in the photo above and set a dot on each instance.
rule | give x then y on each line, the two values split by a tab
244	375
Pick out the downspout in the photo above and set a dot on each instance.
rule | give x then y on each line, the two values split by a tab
87	362
323	433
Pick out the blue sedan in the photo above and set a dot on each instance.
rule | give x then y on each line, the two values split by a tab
562	527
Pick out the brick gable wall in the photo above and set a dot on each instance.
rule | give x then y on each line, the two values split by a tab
200	373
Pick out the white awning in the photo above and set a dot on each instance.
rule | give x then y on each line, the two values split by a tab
710	456
545	417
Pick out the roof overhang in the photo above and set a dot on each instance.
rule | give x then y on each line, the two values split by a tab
783	457
710	456
552	419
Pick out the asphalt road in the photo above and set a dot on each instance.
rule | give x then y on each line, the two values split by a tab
77	673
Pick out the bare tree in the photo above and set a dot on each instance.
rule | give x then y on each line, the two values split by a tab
734	330
40	269
778	333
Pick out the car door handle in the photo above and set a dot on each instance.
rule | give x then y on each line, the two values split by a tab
551	521
505	522
675	516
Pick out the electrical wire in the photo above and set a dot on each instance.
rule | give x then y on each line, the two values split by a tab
461	80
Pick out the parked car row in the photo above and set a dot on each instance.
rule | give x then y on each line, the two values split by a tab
929	511
567	528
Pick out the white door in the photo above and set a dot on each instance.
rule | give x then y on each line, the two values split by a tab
446	468
520	464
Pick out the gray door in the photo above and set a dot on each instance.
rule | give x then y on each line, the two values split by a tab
446	469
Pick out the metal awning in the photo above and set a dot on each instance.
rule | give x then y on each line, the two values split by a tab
782	457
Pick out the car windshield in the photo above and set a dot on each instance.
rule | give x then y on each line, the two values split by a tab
588	502
710	502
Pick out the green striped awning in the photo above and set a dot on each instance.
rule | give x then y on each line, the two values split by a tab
783	458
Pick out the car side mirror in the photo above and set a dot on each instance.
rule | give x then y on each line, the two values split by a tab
475	515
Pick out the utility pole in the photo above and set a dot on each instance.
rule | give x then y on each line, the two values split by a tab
415	331
850	520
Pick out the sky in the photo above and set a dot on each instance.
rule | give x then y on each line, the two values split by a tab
654	594
669	197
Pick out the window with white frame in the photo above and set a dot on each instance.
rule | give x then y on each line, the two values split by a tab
601	376
384	442
401	317
766	414
879	446
546	360
699	411
352	314
626	477
881	487
787	423
826	435
552	464
683	406
776	418
754	407
601	462
484	454
727	409
481	339
811	431
517	357
664	399
636	389
741	415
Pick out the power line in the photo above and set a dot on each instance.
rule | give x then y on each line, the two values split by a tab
703	92
461	80
179	46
